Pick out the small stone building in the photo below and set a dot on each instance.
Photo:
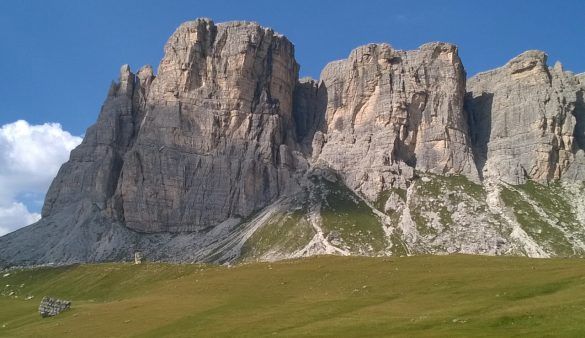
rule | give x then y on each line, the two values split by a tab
50	307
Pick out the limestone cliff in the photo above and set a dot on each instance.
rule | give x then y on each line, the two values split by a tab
390	112
207	139
225	154
215	141
527	121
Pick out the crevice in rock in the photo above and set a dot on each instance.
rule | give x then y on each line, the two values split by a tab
479	119
309	108
579	131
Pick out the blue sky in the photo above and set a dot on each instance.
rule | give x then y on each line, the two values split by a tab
59	57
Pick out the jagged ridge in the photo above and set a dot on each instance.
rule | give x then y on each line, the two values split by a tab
226	154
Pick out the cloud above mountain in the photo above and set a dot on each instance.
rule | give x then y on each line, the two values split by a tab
30	156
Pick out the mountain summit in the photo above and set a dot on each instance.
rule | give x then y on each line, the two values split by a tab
225	154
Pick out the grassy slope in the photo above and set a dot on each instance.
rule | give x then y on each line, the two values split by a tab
441	195
351	219
553	202
285	234
350	224
328	296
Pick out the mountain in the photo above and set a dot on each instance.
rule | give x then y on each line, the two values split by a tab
225	154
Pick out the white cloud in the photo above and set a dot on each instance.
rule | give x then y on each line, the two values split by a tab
30	156
15	216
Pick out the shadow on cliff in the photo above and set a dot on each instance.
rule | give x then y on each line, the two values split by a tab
479	119
579	113
309	108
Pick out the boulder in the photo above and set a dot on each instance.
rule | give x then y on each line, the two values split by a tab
50	307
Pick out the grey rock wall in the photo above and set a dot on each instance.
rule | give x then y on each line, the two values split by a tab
217	134
390	112
527	121
209	138
189	164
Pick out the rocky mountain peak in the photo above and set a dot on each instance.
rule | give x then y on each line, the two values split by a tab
225	153
525	118
390	112
526	61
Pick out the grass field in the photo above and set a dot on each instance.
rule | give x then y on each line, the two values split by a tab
443	296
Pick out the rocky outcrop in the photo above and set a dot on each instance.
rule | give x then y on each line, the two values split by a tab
225	154
209	138
216	139
390	112
527	121
92	172
51	307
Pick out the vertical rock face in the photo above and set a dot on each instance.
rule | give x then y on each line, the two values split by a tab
92	172
527	121
215	140
209	138
309	105
225	154
389	112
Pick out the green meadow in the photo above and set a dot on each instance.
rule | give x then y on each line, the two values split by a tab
327	296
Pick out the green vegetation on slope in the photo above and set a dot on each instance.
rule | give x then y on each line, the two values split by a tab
347	218
439	184
394	215
398	248
533	223
440	194
285	233
552	199
384	195
441	296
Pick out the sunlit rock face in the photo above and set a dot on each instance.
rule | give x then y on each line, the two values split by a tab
390	112
224	154
216	138
208	138
527	121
